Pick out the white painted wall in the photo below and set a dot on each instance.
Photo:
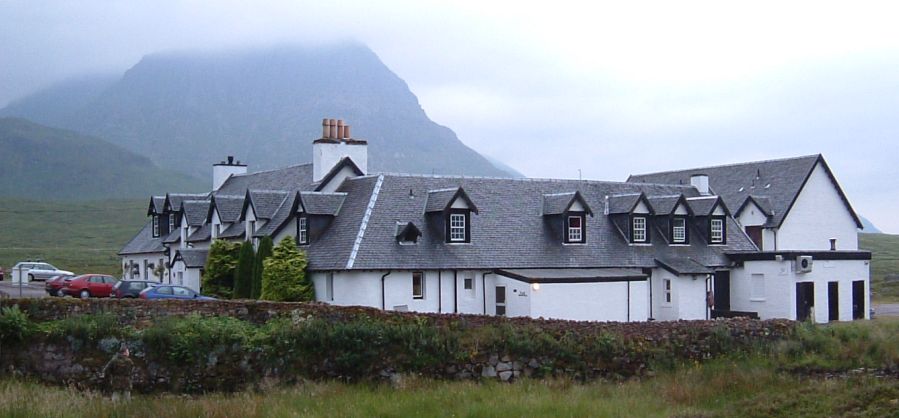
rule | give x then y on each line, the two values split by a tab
326	155
140	260
221	172
752	216
818	215
591	301
688	296
338	179
189	277
780	287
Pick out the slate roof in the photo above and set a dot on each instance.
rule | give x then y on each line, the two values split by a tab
683	266
571	275
778	180
235	230
763	203
558	203
228	207
172	237
174	200
265	202
293	178
280	218
704	205
156	206
195	211
623	203
316	203
143	242
193	258
508	232
203	233
665	205
440	199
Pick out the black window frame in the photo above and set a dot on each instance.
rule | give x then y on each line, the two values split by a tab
449	217
300	240
686	240
646	239
566	236
155	226
723	220
666	287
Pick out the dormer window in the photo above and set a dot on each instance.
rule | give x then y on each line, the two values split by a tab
679	230
302	230
574	228
457	226
155	226
716	230
171	222
638	230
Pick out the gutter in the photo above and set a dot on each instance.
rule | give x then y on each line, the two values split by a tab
383	298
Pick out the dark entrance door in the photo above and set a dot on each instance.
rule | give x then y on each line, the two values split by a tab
501	301
858	299
722	290
833	301
805	300
755	234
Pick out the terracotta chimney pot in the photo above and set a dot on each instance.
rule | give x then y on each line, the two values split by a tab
325	128
340	129
346	132
333	125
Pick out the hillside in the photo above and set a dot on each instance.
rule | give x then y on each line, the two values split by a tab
38	162
264	106
884	264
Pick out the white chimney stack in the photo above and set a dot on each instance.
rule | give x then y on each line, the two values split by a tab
334	145
701	183
222	170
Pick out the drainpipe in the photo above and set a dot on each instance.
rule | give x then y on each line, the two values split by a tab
628	301
439	293
383	299
455	291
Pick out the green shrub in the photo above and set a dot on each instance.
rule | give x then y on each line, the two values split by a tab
243	274
14	325
284	275
218	278
193	337
265	251
88	327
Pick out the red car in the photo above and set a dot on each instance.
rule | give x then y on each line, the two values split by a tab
89	285
54	285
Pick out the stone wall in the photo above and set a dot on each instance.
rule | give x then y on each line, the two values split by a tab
475	347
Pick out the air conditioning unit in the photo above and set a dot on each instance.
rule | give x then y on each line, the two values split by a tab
804	264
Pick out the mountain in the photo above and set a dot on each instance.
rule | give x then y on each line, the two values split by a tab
37	162
869	227
186	111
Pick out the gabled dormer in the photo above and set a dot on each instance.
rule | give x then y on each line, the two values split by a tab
344	169
631	213
711	215
157	218
407	233
259	207
453	207
224	210
754	215
567	212
672	217
315	211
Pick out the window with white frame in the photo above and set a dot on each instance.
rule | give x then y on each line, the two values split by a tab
155	225
758	287
251	229
575	229
171	222
216	230
457	227
679	230
667	287
302	230
418	285
638	229
716	231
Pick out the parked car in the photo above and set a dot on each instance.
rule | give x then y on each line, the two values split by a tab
89	285
172	292
39	270
54	286
131	288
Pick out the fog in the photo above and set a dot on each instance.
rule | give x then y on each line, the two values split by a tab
554	89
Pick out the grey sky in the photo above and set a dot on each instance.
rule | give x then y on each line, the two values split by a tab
550	88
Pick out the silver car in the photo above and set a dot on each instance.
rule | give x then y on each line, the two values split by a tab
39	270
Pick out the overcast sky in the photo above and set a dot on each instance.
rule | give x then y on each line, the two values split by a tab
554	87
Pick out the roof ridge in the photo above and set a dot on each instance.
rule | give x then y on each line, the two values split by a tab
772	160
365	218
515	179
270	170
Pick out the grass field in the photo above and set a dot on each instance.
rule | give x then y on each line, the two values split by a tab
78	236
885	261
745	388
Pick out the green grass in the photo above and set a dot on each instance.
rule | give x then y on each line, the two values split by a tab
82	237
746	388
885	260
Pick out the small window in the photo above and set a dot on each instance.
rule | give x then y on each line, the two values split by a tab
171	222
329	286
418	285
302	230
216	230
679	230
758	287
500	301
155	226
716	231
457	227
639	229
575	229
667	284
468	283
251	229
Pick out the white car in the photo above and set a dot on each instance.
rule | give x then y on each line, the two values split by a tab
38	270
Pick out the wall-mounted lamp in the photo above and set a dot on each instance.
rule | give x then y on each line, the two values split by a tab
535	286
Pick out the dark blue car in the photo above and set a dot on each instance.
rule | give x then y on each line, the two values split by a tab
172	292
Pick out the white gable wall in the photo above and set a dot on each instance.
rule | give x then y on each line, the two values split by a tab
337	180
818	215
